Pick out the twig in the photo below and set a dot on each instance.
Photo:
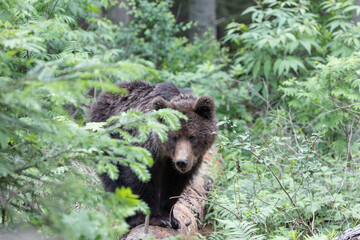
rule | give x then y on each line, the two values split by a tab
18	170
348	156
357	221
333	110
219	21
171	213
147	219
257	94
15	145
313	212
281	209
227	209
293	128
268	105
178	12
28	203
3	210
288	195
53	8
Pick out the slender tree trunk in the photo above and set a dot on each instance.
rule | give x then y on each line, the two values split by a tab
118	13
357	18
203	12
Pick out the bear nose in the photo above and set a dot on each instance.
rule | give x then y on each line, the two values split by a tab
181	163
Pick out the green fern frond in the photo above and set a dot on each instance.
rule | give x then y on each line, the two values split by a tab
140	171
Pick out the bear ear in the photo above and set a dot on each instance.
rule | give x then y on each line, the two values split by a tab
159	103
205	107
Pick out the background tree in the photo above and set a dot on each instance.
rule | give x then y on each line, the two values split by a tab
356	17
119	13
203	13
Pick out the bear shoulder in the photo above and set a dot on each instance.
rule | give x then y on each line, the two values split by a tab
139	96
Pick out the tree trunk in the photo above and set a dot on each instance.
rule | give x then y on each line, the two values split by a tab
357	17
203	12
118	14
189	210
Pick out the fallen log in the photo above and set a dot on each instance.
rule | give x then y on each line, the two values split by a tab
189	210
350	234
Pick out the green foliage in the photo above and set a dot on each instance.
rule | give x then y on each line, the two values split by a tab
153	35
290	153
284	181
330	98
291	171
286	38
186	57
49	159
154	29
233	229
44	156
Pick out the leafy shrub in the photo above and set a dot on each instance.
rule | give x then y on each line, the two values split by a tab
186	57
283	181
330	98
50	160
154	29
291	171
286	38
42	150
153	35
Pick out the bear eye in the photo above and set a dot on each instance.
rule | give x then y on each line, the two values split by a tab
192	139
174	139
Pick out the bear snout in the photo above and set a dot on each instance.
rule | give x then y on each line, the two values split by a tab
182	165
184	158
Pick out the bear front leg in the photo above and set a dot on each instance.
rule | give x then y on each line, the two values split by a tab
135	220
165	221
167	213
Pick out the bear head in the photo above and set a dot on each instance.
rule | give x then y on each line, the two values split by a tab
186	146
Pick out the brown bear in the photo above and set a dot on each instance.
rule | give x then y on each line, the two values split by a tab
177	160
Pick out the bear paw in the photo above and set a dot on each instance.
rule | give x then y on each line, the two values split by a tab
165	222
175	223
135	220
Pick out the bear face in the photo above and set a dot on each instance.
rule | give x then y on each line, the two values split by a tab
187	145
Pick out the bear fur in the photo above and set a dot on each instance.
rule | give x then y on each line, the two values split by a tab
177	160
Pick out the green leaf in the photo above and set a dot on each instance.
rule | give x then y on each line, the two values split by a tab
267	68
81	225
95	126
256	69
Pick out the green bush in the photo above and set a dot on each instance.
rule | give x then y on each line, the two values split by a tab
154	35
285	182
291	172
49	157
287	38
330	98
287	89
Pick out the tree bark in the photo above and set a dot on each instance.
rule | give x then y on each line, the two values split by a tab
203	12
189	210
350	234
356	18
118	14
